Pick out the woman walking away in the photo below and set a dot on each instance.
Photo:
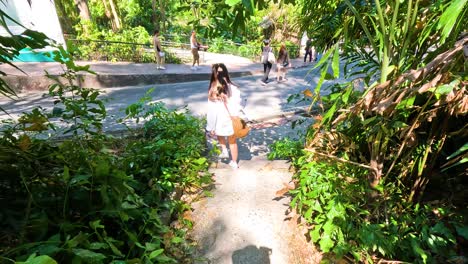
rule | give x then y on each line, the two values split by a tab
266	64
224	101
282	63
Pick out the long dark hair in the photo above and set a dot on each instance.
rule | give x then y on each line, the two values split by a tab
282	50
219	82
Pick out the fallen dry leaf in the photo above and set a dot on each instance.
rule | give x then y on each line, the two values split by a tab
284	190
307	92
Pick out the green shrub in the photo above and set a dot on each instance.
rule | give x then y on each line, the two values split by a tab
335	202
133	44
217	45
92	198
286	149
221	45
293	49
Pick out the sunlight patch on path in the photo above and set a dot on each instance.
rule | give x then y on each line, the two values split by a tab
243	222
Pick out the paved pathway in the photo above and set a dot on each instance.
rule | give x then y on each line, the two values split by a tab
246	222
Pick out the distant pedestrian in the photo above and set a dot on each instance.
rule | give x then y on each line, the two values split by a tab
224	101
195	46
283	63
159	53
265	60
308	50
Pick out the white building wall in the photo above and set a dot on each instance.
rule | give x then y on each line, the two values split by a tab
40	16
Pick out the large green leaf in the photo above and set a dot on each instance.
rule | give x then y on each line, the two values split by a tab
33	259
449	18
232	2
11	45
156	253
326	243
417	250
249	6
336	63
462	231
89	256
459	151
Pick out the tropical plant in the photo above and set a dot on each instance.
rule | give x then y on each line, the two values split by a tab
385	97
93	198
219	17
385	135
75	105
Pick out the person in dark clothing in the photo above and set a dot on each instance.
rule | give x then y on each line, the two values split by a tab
308	50
267	65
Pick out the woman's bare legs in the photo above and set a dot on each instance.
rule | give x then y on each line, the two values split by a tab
222	142
278	72
283	75
234	151
232	146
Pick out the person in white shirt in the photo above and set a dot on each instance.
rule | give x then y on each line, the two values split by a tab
224	101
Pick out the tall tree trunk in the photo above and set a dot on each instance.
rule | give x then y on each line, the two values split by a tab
115	14
84	10
162	10
85	15
109	15
159	14
65	17
155	15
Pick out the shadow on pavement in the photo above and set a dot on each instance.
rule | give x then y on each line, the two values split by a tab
208	240
264	134
252	254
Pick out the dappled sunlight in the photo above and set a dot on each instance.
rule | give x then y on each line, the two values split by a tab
265	133
253	223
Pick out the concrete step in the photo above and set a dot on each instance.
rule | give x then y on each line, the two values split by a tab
22	83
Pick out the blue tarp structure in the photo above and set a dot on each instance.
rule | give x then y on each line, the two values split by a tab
29	55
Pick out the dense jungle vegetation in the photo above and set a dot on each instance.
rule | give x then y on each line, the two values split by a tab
380	176
71	194
223	25
382	173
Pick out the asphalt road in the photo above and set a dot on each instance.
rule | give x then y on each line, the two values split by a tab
262	102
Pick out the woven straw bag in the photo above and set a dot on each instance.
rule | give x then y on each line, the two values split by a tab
241	129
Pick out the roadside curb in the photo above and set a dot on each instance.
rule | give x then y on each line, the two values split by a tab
41	83
31	83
